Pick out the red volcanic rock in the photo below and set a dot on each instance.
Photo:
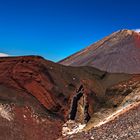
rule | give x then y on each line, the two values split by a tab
116	53
26	74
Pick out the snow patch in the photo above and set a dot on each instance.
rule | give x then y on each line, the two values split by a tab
137	30
3	55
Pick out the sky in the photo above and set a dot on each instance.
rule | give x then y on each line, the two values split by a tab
56	29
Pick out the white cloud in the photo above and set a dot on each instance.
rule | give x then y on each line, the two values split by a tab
3	55
137	30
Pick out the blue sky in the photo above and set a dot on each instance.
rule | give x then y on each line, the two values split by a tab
55	29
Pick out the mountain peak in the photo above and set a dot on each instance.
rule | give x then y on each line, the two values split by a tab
128	32
116	53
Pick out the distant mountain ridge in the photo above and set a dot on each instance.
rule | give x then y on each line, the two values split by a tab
116	53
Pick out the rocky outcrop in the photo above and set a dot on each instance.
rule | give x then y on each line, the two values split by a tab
79	106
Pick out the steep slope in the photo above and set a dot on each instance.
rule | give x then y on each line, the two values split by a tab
116	53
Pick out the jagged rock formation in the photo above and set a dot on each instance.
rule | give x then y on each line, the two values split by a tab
116	53
74	103
83	116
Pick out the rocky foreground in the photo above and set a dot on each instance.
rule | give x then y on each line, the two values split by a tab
122	126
